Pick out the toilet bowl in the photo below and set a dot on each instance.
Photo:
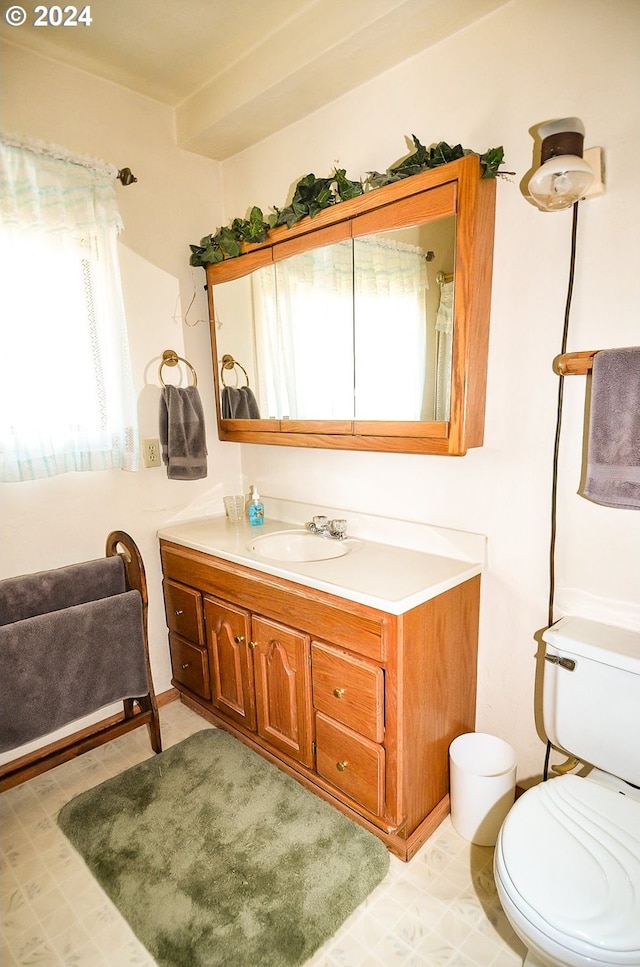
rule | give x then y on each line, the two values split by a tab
567	872
567	858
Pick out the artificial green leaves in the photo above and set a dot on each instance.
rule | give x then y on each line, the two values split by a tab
312	195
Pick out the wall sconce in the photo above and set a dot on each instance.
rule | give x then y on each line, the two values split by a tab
564	177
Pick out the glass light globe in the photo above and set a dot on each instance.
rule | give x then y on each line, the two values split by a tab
560	182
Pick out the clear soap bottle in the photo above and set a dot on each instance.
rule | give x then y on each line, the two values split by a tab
256	509
247	501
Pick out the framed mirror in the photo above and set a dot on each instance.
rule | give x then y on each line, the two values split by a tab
359	329
367	326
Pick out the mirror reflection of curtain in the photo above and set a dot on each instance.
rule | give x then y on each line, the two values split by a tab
390	310
270	364
304	335
444	330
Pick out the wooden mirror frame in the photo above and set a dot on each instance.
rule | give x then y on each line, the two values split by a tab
452	189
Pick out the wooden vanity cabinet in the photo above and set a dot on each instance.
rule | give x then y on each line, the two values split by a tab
357	704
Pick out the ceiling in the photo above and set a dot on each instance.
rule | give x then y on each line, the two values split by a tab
236	72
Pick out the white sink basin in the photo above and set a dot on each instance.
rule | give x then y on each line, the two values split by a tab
297	545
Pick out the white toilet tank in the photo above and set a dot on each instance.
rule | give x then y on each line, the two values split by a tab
591	694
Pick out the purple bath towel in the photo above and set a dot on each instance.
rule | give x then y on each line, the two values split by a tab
613	460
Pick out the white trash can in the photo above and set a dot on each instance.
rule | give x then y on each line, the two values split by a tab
483	785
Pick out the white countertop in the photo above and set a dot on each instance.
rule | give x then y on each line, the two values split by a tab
385	576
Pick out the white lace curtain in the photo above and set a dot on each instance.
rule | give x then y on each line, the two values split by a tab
325	359
304	335
444	332
390	330
66	394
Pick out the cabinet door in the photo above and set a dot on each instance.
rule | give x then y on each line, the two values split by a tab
227	630
283	688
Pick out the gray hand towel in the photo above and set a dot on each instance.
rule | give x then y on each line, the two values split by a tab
239	403
55	668
613	459
182	433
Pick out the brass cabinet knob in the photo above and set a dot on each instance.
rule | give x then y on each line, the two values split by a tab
253	644
179	612
238	639
338	692
186	665
341	766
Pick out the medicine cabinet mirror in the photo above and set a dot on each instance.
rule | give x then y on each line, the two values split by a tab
365	327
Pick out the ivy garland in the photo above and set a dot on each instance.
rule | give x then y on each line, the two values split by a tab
313	194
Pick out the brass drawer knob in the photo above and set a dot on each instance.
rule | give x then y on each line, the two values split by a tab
338	692
238	639
341	766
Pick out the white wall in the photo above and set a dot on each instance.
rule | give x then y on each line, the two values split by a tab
62	520
531	61
489	85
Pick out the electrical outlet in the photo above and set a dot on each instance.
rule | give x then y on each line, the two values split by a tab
151	453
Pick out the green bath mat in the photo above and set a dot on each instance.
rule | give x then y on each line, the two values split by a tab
216	857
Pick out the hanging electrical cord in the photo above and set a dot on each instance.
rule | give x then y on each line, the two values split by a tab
556	446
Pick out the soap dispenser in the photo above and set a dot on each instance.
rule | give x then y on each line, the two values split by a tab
247	500
256	509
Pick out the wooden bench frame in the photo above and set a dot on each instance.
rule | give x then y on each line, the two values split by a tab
136	711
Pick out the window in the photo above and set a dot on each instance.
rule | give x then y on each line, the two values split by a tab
66	395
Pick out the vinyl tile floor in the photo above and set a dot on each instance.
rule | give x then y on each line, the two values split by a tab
439	910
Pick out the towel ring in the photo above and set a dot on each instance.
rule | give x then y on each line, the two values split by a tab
443	277
228	362
171	358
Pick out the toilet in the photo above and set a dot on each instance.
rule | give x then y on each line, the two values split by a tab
567	858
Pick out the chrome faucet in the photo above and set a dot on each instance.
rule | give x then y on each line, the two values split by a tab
334	529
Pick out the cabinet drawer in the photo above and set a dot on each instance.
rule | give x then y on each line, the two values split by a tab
190	666
183	606
352	626
348	689
353	764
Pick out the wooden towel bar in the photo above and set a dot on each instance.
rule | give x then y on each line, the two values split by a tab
71	616
574	364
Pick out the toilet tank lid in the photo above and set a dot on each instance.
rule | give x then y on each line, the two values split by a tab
608	644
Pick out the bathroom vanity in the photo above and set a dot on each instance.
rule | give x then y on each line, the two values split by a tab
353	673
